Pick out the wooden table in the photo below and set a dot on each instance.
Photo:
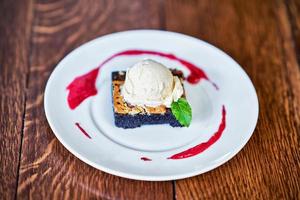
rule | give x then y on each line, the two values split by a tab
263	36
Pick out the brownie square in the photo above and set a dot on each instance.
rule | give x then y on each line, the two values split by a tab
128	116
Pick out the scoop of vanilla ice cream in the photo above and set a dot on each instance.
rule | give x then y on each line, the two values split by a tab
149	83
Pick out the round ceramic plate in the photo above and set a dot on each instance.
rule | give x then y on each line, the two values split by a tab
78	106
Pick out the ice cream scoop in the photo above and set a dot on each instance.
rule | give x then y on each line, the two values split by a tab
149	83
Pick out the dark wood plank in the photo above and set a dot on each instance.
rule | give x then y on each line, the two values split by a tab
15	26
48	170
268	167
294	17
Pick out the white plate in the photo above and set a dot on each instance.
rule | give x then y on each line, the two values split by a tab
118	151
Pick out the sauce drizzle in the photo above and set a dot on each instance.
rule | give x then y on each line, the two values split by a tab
205	145
82	130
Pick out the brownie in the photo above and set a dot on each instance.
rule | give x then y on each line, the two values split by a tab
128	116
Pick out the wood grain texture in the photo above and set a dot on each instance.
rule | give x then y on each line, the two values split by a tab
15	25
293	8
263	36
48	170
256	34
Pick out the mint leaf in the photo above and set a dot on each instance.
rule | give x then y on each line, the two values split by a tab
182	111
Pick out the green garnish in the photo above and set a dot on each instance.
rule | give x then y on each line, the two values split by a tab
182	111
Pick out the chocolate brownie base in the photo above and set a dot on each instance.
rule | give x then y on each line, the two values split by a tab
137	120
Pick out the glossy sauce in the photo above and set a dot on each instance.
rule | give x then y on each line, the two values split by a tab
82	130
205	145
146	159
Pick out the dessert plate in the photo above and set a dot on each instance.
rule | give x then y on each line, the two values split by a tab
78	106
